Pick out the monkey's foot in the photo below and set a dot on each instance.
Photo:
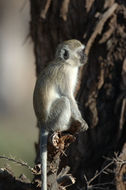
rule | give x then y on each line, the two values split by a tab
78	126
54	139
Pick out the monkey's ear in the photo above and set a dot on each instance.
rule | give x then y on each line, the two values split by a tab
65	54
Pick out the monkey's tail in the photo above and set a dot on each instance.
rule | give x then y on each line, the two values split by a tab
43	157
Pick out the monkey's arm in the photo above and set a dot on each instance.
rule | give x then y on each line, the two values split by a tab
76	115
74	109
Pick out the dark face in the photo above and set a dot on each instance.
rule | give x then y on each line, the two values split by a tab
83	56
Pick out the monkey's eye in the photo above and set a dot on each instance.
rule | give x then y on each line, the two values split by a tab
66	54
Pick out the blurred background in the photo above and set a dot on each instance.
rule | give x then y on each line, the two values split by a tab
17	78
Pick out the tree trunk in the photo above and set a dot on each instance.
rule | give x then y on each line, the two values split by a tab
100	24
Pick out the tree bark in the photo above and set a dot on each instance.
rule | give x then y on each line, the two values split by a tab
100	24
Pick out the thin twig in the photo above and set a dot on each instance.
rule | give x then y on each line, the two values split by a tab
22	163
97	174
102	184
92	179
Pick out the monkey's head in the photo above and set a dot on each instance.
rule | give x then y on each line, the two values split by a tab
71	52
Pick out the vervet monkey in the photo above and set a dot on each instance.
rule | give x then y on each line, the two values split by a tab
53	100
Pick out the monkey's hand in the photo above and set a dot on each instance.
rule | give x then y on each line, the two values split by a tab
84	125
76	115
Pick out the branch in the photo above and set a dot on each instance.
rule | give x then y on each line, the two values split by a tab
45	10
64	178
8	181
99	26
22	163
64	9
97	174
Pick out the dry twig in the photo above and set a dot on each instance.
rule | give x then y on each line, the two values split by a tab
22	163
89	182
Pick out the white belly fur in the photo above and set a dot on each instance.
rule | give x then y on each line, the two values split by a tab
73	78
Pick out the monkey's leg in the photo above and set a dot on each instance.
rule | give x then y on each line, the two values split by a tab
60	114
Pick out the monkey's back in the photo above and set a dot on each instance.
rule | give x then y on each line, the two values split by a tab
47	89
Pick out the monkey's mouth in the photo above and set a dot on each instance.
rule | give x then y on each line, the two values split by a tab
83	58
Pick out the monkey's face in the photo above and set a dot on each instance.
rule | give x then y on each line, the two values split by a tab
72	53
82	56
